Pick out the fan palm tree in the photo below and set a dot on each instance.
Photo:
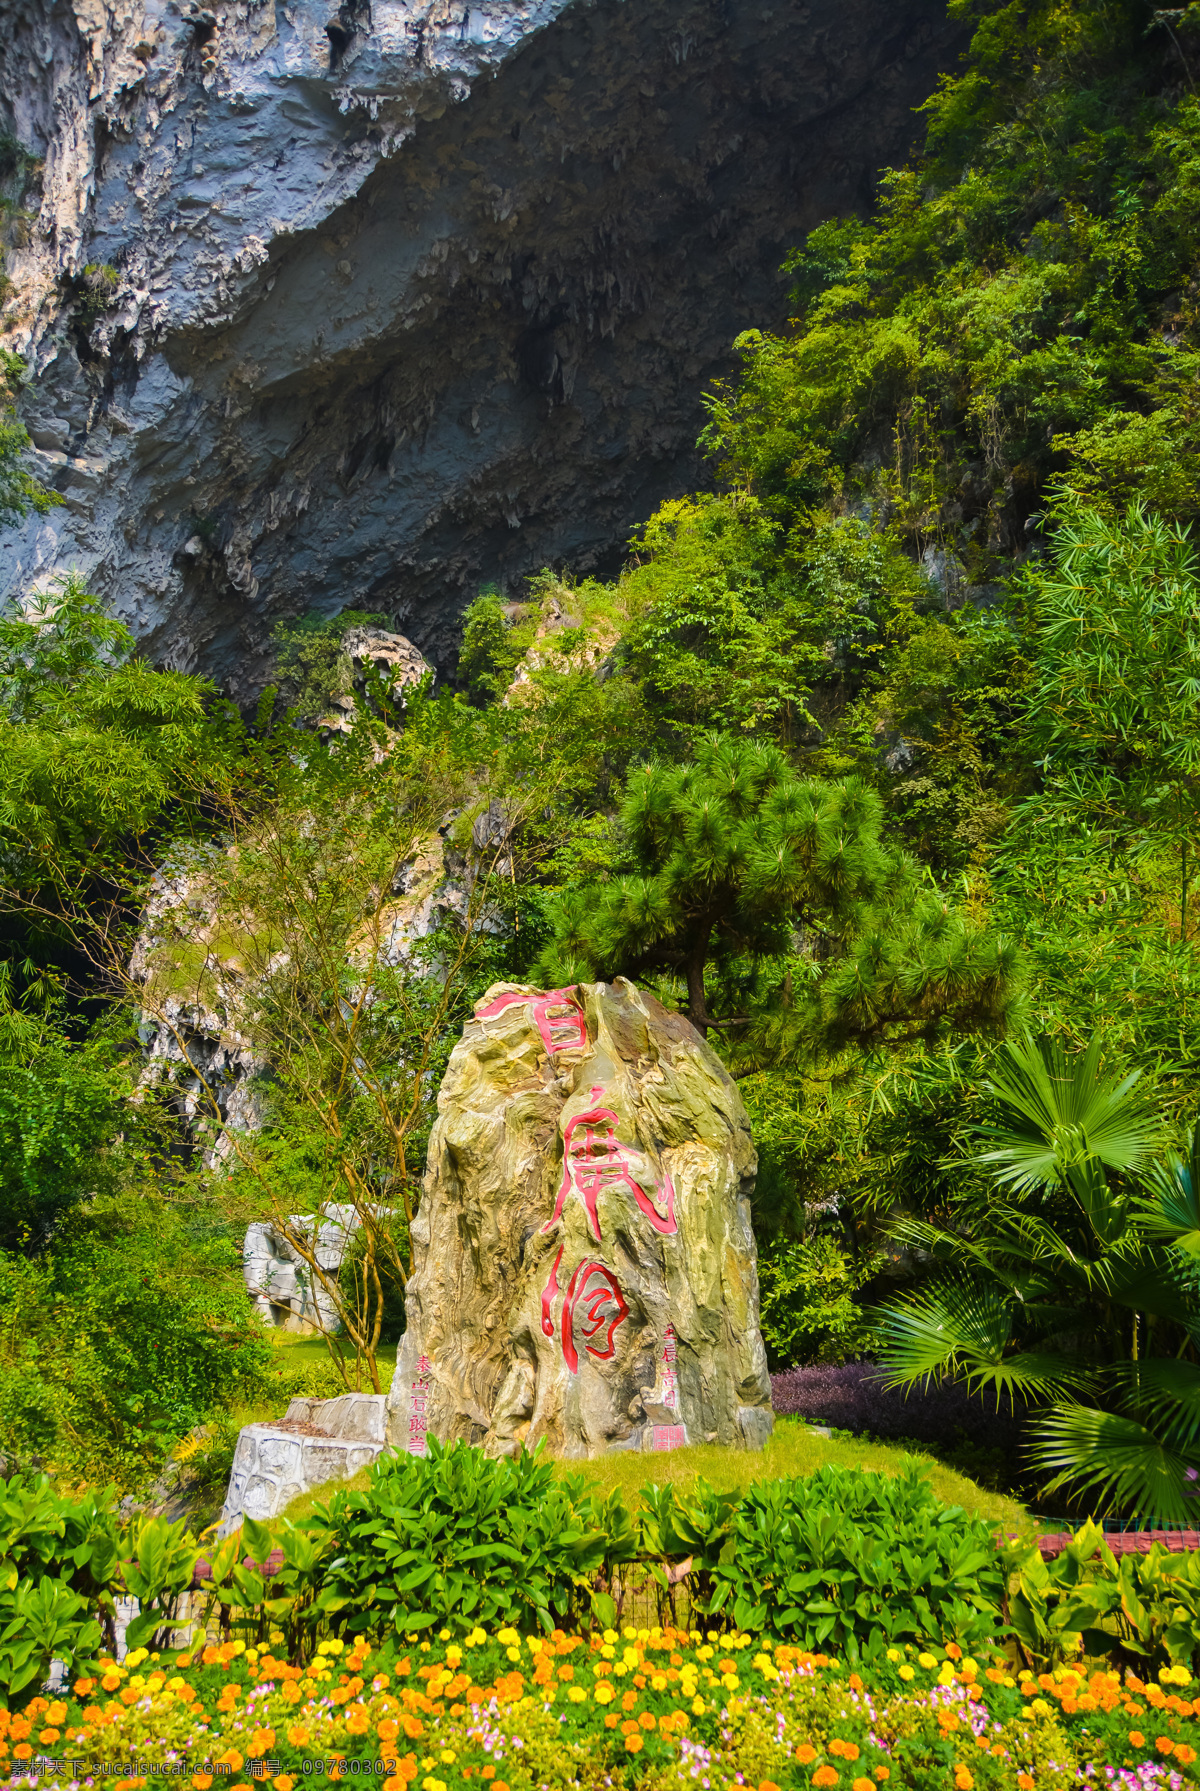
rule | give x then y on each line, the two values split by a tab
1073	1284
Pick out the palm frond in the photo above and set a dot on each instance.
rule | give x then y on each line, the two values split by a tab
1165	1392
1171	1210
956	1328
1070	1126
1124	1463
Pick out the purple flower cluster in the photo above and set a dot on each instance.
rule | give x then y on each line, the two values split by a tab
852	1397
1152	1776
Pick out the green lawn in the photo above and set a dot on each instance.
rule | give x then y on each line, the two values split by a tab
309	1352
793	1449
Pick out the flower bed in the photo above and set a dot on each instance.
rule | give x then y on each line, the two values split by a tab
653	1707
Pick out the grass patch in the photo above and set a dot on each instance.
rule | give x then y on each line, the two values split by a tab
792	1450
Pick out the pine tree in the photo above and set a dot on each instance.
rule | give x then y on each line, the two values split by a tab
776	900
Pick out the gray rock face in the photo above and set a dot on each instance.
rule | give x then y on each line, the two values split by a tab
584	1264
281	1285
407	296
319	1440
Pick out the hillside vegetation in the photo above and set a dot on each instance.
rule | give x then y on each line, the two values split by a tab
880	760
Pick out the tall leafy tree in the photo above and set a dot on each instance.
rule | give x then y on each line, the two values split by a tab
1115	700
776	901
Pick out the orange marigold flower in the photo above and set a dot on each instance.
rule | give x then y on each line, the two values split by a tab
499	1785
953	1650
202	1780
283	1782
1136	1738
824	1775
863	1785
83	1687
634	1743
232	1759
847	1749
22	1751
566	1673
412	1726
805	1753
1165	1745
963	1780
389	1728
610	1721
489	1772
357	1720
1026	1782
1184	1754
856	1683
647	1719
629	1700
883	1774
298	1735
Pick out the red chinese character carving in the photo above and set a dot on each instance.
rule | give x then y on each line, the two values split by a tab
597	1291
594	1158
557	1015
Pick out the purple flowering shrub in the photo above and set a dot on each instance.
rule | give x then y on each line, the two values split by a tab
944	1418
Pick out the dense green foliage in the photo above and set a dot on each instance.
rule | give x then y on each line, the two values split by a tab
888	742
1069	1278
734	855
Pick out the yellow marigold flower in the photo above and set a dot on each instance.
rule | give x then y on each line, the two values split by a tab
604	1693
576	1694
1040	1707
926	1661
907	1672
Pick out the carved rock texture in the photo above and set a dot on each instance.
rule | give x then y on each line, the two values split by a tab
318	1441
408	295
584	1267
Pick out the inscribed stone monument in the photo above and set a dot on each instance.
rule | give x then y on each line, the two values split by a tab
584	1264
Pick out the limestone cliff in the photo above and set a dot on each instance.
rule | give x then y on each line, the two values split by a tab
365	304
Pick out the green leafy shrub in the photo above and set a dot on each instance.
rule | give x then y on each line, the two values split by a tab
1087	1601
120	1339
455	1538
808	1312
492	647
855	1563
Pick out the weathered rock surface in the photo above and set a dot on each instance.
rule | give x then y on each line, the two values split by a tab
585	1267
319	1440
405	296
282	1287
196	976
